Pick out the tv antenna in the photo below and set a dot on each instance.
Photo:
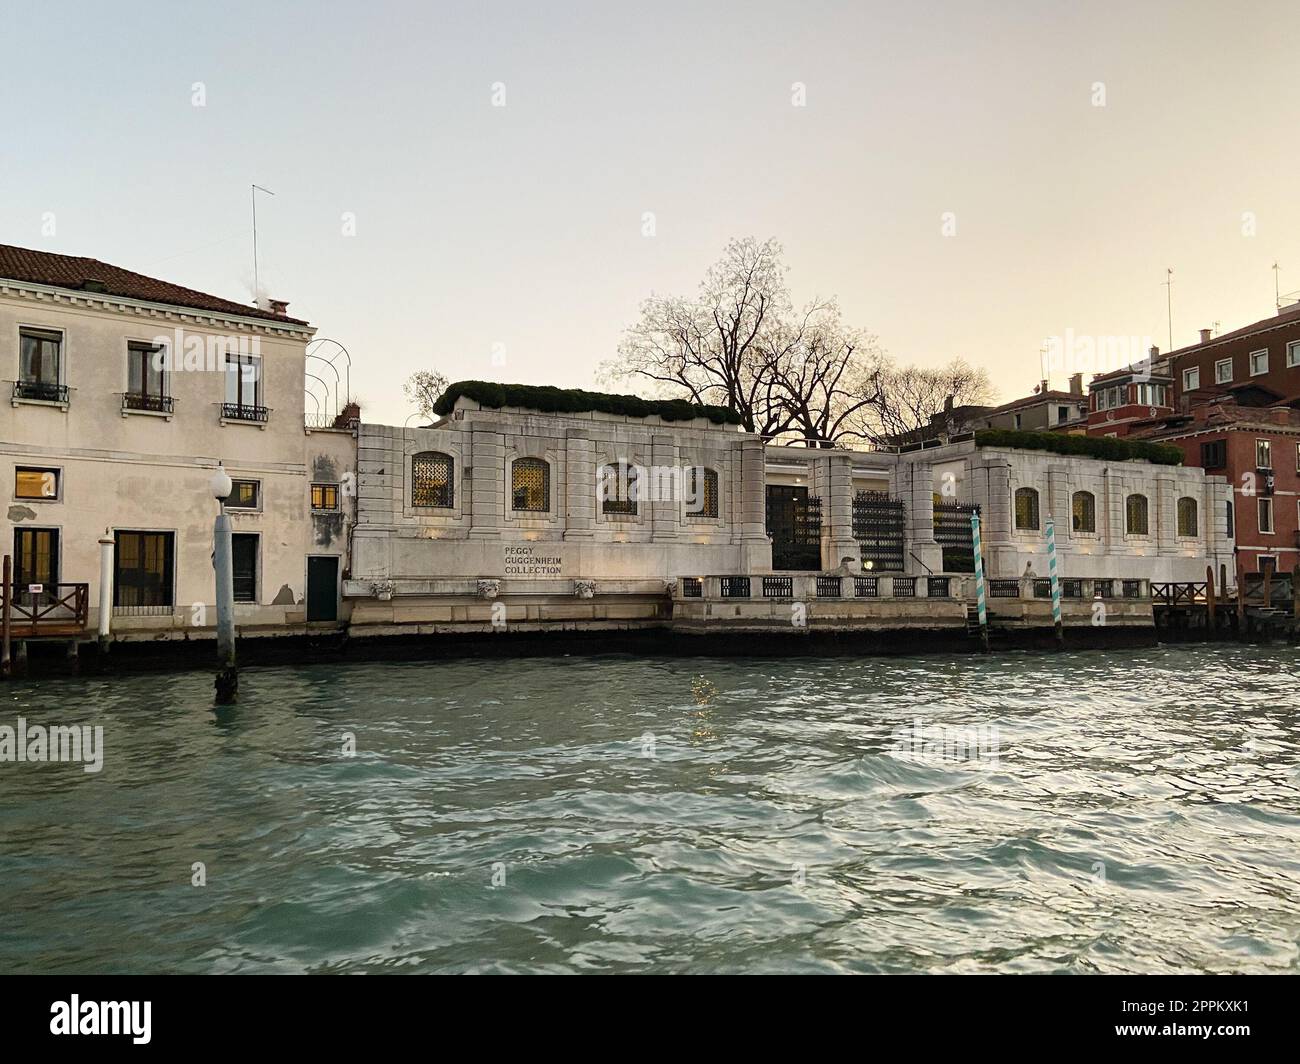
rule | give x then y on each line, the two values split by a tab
257	291
1169	302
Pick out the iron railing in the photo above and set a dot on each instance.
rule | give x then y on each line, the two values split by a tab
244	412
43	391
158	404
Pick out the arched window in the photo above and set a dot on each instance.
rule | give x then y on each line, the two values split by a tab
704	492
618	489
1084	507
432	483
1026	508
1187	516
1135	515
530	485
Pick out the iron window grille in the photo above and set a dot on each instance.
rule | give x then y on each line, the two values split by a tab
1136	515
735	587
618	490
1027	509
431	480
778	587
828	587
530	485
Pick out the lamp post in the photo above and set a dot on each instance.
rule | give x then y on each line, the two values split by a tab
227	682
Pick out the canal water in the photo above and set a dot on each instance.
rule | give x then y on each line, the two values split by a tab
1110	811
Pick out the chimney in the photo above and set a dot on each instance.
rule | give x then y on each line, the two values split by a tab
1042	387
278	307
1280	415
1076	384
1205	336
1154	352
349	416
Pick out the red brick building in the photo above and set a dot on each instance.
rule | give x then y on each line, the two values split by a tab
1232	404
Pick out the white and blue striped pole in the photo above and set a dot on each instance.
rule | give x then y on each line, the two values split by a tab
979	580
1053	579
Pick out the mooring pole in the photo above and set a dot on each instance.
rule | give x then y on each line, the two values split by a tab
1054	583
5	663
1241	607
1209	601
980	605
105	589
227	682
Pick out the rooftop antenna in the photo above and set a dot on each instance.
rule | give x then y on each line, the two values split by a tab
257	291
1169	302
1277	292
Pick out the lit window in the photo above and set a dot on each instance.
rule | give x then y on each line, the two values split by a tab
1026	508
1223	371
1191	379
530	485
1258	362
30	483
705	495
245	495
1263	454
618	489
1084	506
1265	515
1187	516
324	496
431	480
1135	513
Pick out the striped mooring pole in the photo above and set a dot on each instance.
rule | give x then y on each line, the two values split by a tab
979	581
1054	581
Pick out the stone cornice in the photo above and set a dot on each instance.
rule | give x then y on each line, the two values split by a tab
101	301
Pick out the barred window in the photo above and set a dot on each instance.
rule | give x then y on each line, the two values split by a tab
705	496
1084	507
431	479
1026	508
1135	512
618	489
530	485
1187	516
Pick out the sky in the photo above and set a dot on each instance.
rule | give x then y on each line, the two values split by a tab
967	178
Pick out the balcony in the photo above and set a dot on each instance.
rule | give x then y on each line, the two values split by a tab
257	415
40	392
147	404
55	610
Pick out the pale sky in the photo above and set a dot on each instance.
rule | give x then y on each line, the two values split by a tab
521	225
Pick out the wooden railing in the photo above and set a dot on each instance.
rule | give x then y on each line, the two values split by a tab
1186	593
58	609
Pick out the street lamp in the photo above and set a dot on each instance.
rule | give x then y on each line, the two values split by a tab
227	682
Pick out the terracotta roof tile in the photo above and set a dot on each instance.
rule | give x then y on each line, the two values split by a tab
74	271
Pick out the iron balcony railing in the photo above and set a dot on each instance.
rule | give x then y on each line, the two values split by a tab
158	404
244	412
41	390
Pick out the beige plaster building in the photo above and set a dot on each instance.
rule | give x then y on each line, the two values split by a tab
124	392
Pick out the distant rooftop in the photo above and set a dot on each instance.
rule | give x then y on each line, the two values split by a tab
81	274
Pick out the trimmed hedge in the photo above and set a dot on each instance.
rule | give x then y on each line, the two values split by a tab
553	400
1113	450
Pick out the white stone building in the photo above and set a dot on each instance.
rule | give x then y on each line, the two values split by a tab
124	394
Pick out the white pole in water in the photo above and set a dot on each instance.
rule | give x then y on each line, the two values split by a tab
1054	581
105	588
227	681
979	580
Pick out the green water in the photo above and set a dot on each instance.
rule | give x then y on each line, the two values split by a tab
1117	812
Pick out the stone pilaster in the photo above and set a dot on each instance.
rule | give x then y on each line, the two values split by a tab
1059	506
666	478
1164	513
838	508
487	453
579	486
753	502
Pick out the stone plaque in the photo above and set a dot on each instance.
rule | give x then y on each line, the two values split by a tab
533	560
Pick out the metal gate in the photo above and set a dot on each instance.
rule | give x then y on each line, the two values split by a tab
952	533
794	521
879	524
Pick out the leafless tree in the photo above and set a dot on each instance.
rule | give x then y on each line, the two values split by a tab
423	388
740	343
905	399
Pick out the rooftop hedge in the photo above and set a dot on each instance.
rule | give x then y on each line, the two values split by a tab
1105	447
552	400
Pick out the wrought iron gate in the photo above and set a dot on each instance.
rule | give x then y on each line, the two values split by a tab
794	521
879	524
952	533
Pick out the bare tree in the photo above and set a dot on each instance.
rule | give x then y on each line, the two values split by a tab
423	388
906	399
740	343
